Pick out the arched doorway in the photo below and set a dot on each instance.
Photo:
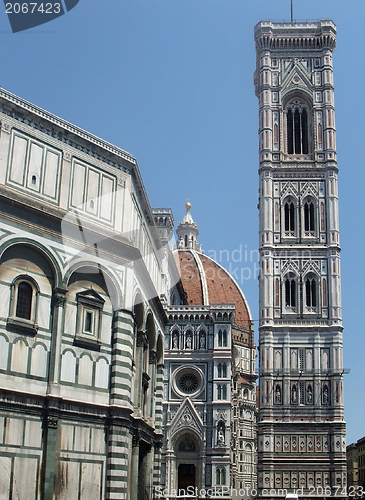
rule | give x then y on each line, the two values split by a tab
187	461
186	477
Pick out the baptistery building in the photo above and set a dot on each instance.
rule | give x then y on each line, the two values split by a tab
83	279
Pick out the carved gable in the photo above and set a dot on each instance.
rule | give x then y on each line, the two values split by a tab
186	418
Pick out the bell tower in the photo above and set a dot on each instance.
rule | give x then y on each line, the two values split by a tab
301	422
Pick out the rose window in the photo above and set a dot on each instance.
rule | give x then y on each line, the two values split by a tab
188	383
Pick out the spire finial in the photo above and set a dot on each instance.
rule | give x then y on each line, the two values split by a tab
188	204
292	11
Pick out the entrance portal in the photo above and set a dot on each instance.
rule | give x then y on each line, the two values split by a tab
186	476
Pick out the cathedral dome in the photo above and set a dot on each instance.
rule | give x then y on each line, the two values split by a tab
206	282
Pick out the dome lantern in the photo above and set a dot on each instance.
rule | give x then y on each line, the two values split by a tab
187	232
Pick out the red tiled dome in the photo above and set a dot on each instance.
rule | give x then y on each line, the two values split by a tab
206	282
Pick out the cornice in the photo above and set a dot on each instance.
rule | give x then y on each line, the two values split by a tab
63	124
298	169
31	115
302	326
295	36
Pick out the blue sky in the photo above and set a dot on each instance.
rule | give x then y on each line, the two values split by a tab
171	81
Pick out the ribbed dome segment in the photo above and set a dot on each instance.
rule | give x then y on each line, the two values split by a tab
206	282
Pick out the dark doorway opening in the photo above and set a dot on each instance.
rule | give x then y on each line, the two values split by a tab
186	476
142	469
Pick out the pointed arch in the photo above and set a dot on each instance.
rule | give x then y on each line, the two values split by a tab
290	292
311	292
289	215
298	120
309	216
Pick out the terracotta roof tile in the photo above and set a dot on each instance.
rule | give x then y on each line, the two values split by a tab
221	287
223	290
190	277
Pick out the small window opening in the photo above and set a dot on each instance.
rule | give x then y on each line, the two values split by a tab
297	131
219	392
289	212
34	179
301	393
311	292
225	341
24	301
91	203
220	338
290	295
301	359
309	216
88	322
224	392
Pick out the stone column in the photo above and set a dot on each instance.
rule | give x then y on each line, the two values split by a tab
141	344
121	369
149	472
50	449
119	439
157	468
59	297
134	467
152	363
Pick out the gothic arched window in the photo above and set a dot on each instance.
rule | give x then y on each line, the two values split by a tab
311	294
220	476
289	216
309	216
220	338
224	392
222	370
225	338
290	293
297	127
219	391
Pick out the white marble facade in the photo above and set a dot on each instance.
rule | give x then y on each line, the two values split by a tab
81	322
301	419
